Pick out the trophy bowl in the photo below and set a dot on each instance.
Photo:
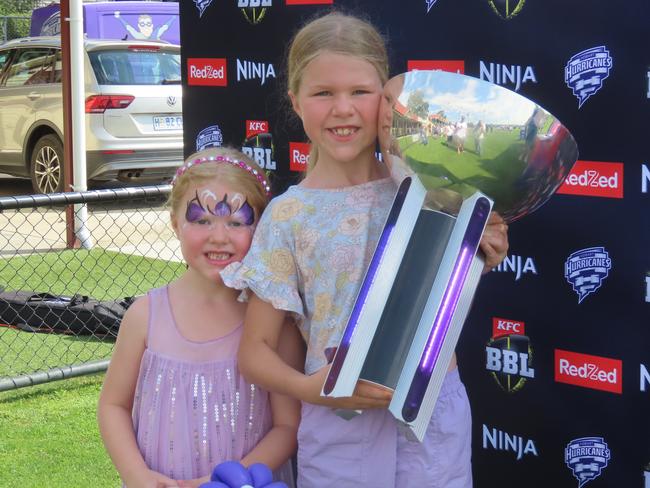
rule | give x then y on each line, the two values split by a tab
460	135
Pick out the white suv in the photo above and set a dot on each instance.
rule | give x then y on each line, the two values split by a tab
134	122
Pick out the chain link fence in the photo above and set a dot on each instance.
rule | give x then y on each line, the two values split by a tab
61	305
15	17
13	26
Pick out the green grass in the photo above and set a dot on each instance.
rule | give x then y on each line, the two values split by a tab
495	171
50	437
48	433
97	273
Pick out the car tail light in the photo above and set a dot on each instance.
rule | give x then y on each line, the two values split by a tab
98	104
145	48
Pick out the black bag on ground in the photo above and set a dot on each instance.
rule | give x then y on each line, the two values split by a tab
75	315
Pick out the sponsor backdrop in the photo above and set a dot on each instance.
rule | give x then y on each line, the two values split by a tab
556	351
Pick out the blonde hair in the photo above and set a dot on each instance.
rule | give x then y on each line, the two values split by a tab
336	33
236	178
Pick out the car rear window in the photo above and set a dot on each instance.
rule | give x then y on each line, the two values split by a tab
136	67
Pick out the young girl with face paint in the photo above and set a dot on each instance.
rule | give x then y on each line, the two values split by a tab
308	259
173	404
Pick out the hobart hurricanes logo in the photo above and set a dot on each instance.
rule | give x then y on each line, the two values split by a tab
586	269
202	5
509	354
430	4
209	137
585	72
506	9
586	458
254	10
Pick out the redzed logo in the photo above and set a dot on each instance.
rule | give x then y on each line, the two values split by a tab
595	179
501	327
254	127
310	2
589	371
207	72
451	65
298	155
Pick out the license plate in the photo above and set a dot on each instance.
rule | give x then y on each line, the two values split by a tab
168	122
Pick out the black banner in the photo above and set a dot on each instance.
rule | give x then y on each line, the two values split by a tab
556	351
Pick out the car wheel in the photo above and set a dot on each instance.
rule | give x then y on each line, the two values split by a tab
46	169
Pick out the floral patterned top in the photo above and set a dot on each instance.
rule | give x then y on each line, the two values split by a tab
309	256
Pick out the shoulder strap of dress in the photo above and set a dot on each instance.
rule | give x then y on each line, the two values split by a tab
160	319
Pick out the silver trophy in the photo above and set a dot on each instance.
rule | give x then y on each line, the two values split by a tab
458	148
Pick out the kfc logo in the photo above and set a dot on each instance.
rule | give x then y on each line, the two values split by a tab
255	127
594	179
501	327
207	72
451	65
588	371
298	156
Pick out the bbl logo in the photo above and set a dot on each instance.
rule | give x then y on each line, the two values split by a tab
509	355
209	137
586	269
506	9
586	71
586	457
254	10
202	5
260	149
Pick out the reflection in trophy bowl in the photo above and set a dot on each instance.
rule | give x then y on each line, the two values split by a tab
460	134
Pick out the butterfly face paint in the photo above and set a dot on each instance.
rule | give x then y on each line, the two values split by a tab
207	210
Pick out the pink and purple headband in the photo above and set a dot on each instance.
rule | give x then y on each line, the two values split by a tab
259	176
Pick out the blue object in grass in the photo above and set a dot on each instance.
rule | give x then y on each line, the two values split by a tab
231	474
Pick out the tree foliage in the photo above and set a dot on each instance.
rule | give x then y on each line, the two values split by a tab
417	104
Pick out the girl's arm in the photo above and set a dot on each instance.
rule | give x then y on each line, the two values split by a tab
261	364
116	401
280	442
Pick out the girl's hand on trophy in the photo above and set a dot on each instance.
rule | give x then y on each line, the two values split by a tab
366	395
494	242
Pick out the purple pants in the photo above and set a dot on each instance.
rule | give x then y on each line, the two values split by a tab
370	451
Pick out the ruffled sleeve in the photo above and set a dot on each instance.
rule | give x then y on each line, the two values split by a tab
269	269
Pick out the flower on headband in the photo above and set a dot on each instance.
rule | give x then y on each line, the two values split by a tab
259	175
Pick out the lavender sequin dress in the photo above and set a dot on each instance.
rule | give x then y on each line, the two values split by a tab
192	408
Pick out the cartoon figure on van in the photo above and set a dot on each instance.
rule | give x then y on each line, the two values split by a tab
146	30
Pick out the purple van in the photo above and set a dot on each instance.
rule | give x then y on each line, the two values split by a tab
143	21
